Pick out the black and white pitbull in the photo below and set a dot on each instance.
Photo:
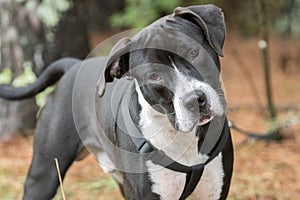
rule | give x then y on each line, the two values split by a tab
152	112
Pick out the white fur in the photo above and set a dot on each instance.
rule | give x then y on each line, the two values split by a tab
108	167
182	147
186	85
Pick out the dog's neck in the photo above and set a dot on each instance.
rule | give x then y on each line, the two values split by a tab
157	128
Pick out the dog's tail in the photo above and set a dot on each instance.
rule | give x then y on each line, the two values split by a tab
48	77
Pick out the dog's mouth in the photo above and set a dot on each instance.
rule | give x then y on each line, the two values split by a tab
204	119
207	114
188	119
193	126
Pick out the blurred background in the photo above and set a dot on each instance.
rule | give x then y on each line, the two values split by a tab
260	72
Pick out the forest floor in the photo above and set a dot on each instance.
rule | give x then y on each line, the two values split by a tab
262	170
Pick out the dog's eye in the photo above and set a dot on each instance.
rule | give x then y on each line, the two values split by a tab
194	53
155	77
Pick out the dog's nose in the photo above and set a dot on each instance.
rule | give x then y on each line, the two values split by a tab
196	101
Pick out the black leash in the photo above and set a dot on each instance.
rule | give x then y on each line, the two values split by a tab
273	134
146	149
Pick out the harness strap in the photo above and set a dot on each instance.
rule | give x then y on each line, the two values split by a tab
192	180
194	173
146	149
194	177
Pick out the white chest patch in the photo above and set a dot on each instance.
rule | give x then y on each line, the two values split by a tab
169	184
183	148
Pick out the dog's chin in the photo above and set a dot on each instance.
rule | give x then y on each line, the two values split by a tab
186	128
190	128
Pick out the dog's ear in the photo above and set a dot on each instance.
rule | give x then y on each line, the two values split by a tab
211	19
117	64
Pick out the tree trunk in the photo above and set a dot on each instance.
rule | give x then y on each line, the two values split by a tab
26	40
23	40
264	46
13	117
17	117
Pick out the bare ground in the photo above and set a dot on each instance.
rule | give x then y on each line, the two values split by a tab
262	170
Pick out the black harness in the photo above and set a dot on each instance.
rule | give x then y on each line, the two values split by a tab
149	152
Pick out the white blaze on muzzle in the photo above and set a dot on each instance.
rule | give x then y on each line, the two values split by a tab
187	119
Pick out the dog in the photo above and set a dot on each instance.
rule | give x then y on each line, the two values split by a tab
152	112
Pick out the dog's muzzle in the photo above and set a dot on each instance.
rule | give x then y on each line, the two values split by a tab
197	103
196	108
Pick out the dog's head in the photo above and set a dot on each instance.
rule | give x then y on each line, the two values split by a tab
175	62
